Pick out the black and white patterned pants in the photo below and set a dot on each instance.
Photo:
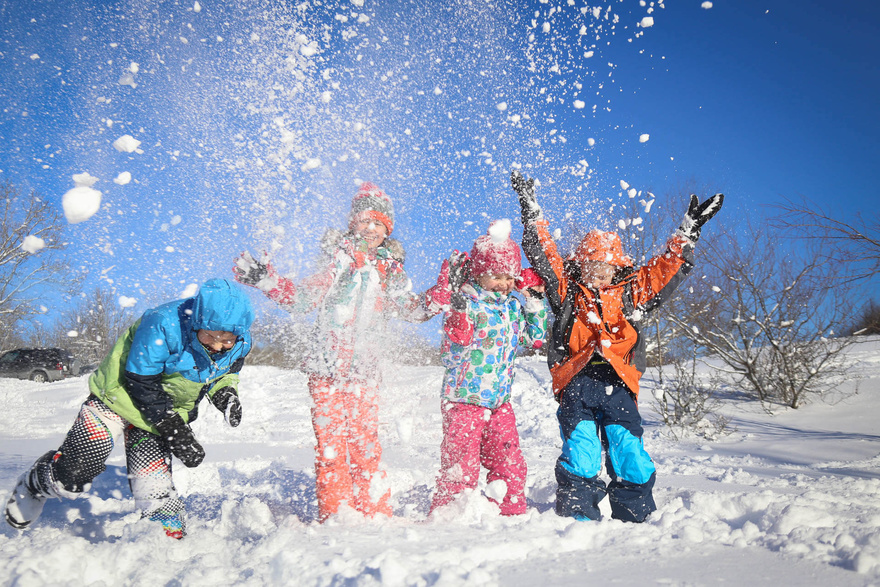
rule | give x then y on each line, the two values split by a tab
85	450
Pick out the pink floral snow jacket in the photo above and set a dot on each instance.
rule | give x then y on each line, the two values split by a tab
355	293
480	344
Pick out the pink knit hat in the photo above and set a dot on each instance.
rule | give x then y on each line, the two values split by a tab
495	253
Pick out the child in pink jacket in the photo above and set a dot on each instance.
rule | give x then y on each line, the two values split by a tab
484	326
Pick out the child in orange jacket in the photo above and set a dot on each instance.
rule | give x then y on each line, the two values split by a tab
596	356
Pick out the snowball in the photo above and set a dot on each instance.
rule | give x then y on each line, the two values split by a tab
84	180
502	106
579	104
496	490
197	7
134	67
437	91
126	144
72	333
648	21
126	302
32	244
190	290
80	203
311	164
706	5
325	97
643	138
591	142
123	178
546	27
309	49
624	185
127	79
500	230
34	56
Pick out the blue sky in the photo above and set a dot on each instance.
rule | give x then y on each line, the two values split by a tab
257	121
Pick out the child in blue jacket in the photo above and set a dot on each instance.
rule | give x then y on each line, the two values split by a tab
145	393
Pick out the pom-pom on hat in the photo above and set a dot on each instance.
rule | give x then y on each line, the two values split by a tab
602	246
371	202
495	253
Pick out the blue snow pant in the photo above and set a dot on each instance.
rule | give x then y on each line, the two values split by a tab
594	415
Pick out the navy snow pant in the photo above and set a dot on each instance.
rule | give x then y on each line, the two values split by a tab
594	415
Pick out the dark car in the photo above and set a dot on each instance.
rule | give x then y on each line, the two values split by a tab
39	365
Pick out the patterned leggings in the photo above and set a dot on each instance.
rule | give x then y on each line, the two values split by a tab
70	470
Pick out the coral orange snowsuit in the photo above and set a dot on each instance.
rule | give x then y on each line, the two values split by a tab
354	293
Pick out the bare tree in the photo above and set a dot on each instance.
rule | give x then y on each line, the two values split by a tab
769	314
30	239
855	244
90	328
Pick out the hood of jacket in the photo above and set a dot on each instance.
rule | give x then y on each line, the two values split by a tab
221	305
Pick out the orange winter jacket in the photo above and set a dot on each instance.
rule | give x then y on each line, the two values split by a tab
602	322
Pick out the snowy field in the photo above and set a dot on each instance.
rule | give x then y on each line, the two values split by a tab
790	499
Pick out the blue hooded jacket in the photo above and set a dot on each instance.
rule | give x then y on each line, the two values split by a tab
159	365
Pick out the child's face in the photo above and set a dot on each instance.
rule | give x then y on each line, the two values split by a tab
501	283
372	231
216	341
597	274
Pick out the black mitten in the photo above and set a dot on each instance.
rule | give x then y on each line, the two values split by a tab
528	203
181	441
248	270
459	270
698	214
226	400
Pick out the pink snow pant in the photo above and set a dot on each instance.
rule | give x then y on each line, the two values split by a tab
473	435
345	416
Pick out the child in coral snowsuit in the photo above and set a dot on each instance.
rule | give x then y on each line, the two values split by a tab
483	328
146	393
358	289
597	358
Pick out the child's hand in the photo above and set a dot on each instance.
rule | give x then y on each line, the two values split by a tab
249	271
528	203
459	265
698	214
530	284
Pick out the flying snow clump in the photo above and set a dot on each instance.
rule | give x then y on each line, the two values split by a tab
197	7
500	230
643	138
190	290
502	106
123	178
84	179
646	22
312	163
80	203
579	104
32	244
126	144
706	5
126	302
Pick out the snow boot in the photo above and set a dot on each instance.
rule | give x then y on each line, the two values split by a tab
28	498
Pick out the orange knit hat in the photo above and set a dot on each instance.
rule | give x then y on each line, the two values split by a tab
602	246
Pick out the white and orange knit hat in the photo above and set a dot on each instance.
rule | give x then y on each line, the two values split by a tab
371	202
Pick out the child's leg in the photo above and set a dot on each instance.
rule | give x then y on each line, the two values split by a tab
501	455
333	480
460	451
149	476
632	470
70	470
579	488
371	494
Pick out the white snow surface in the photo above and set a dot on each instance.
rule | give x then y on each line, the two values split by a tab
786	499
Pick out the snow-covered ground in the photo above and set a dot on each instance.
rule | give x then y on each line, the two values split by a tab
790	499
